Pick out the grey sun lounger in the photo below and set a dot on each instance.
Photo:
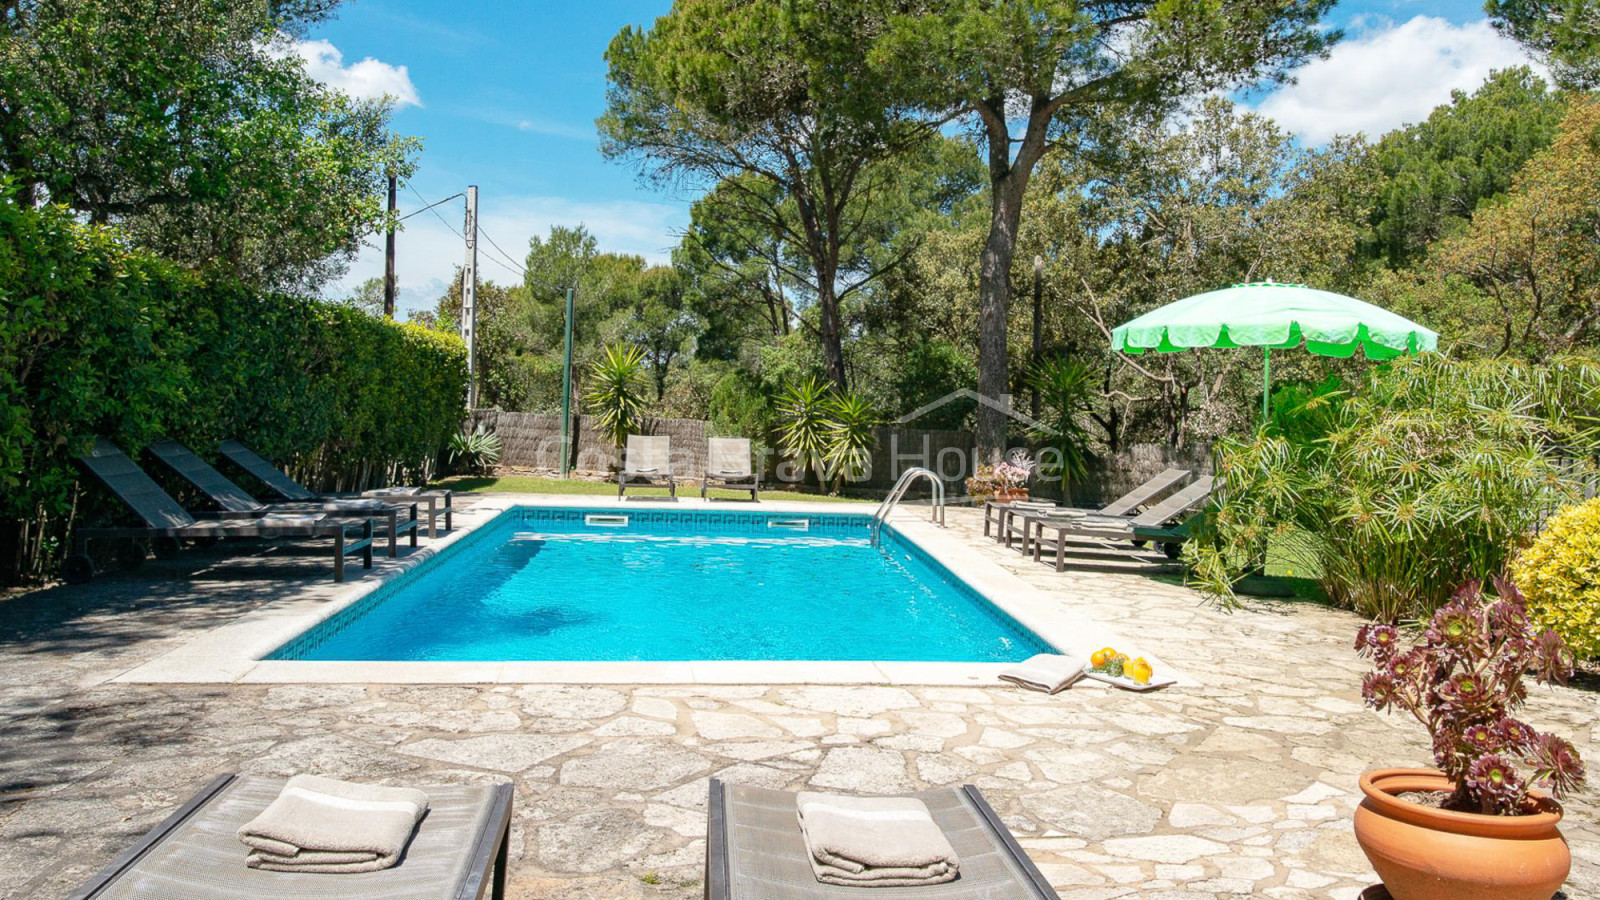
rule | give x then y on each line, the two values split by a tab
235	502
278	482
1125	507
458	852
647	463
755	851
728	466
1160	523
164	518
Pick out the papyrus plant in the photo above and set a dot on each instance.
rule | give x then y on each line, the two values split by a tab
1431	471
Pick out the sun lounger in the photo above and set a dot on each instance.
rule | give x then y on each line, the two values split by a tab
647	463
997	513
728	466
235	502
1125	507
281	484
167	521
1160	524
458	852
756	851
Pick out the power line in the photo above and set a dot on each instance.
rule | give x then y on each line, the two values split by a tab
428	207
435	211
503	253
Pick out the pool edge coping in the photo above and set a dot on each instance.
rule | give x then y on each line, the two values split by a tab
233	652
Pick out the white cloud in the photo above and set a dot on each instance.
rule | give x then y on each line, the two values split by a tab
369	79
427	252
1389	75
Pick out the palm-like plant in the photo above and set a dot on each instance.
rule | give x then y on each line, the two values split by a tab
1429	476
473	452
852	433
616	396
1064	388
803	432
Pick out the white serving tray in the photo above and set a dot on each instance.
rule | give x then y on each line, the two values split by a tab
1126	683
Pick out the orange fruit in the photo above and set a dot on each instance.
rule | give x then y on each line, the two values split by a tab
1102	656
1140	671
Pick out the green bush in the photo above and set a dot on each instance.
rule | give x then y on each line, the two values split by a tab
1427	475
1560	577
97	340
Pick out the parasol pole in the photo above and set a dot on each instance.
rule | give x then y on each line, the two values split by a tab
1266	381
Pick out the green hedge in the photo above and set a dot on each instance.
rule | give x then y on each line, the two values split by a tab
95	339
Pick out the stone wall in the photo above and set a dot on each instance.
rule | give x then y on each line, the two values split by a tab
533	441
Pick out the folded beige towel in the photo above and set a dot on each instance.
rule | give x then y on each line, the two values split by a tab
877	841
322	825
1048	672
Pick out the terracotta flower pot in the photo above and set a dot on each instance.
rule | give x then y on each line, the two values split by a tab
1009	495
1422	853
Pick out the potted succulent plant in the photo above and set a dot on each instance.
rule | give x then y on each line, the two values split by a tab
1484	824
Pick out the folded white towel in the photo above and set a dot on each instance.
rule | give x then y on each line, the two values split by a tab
1048	672
323	825
888	841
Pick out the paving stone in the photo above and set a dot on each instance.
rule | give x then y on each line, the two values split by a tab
866	770
502	752
635	765
1171	848
716	726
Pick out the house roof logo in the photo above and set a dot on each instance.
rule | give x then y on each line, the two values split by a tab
1003	404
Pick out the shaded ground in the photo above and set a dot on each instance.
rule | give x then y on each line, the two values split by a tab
1243	787
531	484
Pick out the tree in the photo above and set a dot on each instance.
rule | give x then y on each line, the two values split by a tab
773	102
1024	71
187	123
1536	254
1144	212
368	297
1565	34
1438	171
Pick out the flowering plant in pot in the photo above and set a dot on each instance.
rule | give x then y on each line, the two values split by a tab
1002	481
1483	825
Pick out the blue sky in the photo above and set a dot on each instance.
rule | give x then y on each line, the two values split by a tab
504	95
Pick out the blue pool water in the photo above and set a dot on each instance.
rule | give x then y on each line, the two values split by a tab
577	584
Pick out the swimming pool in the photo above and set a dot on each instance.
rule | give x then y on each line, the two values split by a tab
562	583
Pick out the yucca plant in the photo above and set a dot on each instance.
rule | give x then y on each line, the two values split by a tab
803	432
473	452
1432	473
852	433
616	396
1064	388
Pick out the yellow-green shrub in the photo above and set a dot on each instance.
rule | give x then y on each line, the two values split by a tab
1560	576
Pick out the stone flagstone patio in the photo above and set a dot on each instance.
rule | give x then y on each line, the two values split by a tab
1243	787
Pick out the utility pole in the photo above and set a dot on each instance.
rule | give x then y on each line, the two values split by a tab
1038	325
388	256
566	396
469	296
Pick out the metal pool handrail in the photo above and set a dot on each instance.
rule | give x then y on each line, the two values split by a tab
936	514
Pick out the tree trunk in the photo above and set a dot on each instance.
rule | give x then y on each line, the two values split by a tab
994	304
832	350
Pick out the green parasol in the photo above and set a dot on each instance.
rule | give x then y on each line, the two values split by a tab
1274	316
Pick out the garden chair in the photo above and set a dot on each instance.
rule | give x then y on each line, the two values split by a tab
728	466
1127	506
235	502
647	463
281	484
166	522
459	852
1160	524
755	851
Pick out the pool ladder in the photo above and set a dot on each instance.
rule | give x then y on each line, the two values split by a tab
936	513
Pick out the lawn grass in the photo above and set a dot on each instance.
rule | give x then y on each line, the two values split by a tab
529	484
